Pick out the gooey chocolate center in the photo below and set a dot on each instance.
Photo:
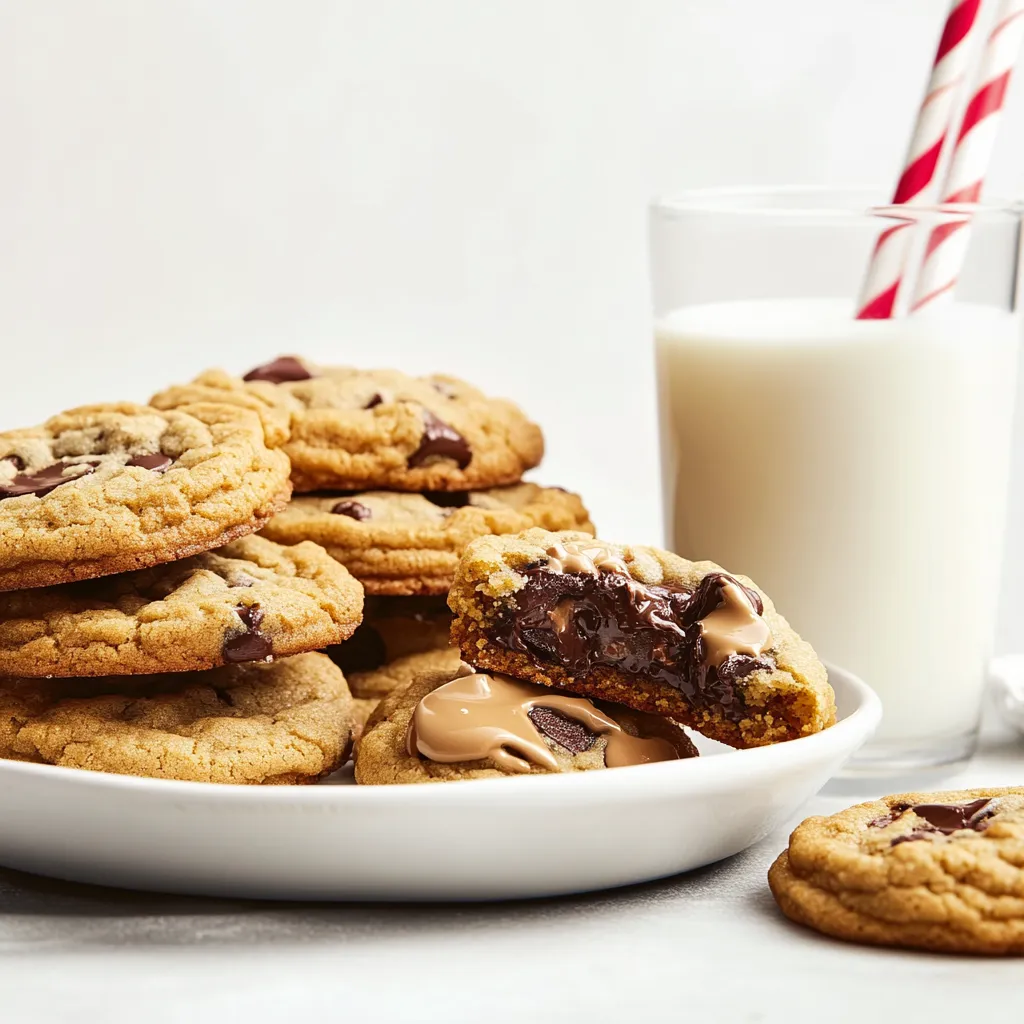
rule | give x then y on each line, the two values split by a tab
591	613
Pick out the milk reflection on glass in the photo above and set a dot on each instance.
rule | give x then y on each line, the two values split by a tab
857	470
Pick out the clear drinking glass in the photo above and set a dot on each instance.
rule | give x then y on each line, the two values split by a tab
856	470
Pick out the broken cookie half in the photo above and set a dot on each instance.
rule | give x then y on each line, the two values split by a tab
640	627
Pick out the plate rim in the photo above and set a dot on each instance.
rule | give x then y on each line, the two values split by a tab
861	722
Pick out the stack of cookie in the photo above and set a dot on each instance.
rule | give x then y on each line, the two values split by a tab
141	630
394	476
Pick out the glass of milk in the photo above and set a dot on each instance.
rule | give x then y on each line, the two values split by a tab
856	470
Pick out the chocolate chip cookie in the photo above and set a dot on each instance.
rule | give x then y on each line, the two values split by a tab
641	627
398	543
285	722
272	404
939	871
450	725
361	429
112	488
392	628
251	600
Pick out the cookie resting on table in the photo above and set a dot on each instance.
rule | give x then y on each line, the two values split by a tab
279	723
370	688
641	627
355	429
448	726
938	871
248	601
112	488
397	543
393	627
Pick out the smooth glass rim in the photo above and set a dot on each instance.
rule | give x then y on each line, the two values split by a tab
827	202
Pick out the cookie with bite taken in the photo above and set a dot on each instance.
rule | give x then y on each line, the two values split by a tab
642	627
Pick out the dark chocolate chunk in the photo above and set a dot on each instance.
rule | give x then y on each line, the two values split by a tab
157	463
44	480
279	370
947	818
251	645
352	509
447	499
580	621
363	651
565	731
440	439
374	401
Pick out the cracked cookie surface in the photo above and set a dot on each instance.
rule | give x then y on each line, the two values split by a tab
281	723
352	429
938	871
397	543
633	625
247	601
112	488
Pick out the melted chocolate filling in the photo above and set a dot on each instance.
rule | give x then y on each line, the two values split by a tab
580	621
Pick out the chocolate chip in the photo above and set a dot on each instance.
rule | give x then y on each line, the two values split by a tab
442	440
447	499
948	818
279	370
352	509
374	401
156	463
44	480
252	645
15	460
363	651
566	732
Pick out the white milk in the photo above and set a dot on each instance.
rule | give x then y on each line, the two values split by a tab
857	471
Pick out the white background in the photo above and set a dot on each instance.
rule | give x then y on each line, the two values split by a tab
452	185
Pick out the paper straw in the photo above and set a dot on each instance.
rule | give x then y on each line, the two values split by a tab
917	182
947	244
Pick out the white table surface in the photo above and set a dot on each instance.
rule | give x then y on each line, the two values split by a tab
707	946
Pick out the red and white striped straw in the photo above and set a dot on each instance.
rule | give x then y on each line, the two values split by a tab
947	244
917	182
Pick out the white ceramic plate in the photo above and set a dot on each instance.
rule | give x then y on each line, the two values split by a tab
494	839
